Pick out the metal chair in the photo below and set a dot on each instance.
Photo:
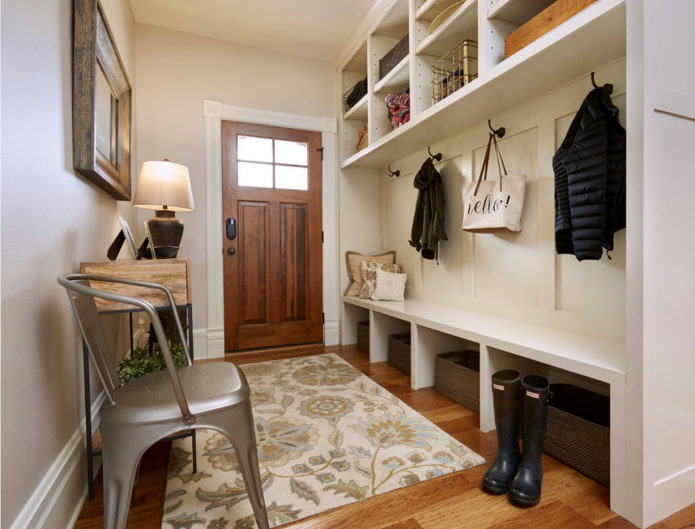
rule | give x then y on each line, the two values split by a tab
137	414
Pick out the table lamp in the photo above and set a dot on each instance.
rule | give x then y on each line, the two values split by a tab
165	187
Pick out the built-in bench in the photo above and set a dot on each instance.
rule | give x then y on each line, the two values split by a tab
503	343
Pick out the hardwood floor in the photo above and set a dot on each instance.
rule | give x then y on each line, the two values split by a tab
456	501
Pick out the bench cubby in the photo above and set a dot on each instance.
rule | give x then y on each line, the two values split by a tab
503	344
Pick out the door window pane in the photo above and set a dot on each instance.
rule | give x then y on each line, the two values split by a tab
291	152
255	174
254	149
290	177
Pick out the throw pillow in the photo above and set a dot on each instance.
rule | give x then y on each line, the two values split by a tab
389	286
354	268
369	269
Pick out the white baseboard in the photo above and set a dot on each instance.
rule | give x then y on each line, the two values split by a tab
57	501
331	332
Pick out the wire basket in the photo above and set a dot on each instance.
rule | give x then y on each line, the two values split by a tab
456	69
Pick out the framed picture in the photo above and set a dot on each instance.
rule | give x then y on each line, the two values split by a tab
128	237
101	103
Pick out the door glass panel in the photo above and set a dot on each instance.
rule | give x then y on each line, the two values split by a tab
255	149
290	177
291	152
255	174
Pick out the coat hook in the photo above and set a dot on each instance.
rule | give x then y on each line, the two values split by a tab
395	173
608	88
499	132
437	156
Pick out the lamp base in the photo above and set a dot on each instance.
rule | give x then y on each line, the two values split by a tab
165	232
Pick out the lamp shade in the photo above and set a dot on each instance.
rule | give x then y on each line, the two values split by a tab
164	186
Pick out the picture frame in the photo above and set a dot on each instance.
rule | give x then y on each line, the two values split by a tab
128	237
102	103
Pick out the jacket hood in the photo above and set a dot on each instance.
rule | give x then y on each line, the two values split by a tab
425	175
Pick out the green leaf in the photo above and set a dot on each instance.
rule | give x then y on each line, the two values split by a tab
350	489
303	490
140	362
282	513
363	470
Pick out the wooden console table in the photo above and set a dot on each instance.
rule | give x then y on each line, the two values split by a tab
175	274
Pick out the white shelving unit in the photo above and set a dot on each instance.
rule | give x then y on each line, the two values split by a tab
652	467
533	71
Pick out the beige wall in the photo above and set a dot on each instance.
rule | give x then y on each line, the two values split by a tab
51	220
176	72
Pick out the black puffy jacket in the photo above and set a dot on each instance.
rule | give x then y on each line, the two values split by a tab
589	171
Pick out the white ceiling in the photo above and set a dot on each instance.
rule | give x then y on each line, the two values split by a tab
316	29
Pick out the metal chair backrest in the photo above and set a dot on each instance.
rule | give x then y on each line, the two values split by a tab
95	340
82	298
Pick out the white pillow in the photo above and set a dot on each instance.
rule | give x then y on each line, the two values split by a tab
369	269
389	286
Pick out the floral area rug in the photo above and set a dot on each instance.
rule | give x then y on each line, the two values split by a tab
327	436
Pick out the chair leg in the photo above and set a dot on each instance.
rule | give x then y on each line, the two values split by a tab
244	441
119	469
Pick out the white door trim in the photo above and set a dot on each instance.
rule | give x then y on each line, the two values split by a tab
214	112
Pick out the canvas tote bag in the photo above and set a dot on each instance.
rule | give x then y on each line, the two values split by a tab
493	205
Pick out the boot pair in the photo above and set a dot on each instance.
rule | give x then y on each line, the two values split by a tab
518	405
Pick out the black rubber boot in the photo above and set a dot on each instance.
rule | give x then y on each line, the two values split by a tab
525	489
506	398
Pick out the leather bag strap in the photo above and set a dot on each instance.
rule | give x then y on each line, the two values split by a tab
483	168
501	168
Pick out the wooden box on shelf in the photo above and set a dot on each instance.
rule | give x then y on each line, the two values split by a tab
457	375
393	57
399	352
578	431
551	17
175	274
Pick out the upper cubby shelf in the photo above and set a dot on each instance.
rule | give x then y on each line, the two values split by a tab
459	21
516	11
395	23
429	9
396	78
591	39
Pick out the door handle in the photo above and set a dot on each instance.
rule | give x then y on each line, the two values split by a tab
230	229
231	251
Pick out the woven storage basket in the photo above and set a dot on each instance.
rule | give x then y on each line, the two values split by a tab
363	336
399	352
578	432
457	375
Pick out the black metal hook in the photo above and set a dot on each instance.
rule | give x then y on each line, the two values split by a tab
608	88
437	156
395	173
499	132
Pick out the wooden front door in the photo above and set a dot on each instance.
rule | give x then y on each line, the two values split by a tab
271	192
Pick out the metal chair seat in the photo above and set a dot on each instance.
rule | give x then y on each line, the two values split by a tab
209	388
143	411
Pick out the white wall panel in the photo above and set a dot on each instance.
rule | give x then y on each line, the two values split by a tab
506	264
446	275
592	287
399	205
517	275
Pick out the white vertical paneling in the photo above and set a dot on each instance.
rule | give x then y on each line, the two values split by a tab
512	275
592	287
506	264
399	204
445	276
